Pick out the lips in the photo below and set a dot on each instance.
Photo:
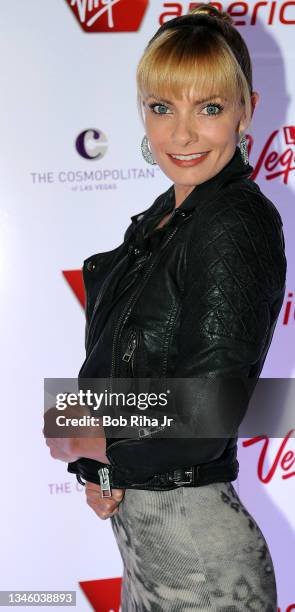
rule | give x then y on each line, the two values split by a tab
188	154
185	163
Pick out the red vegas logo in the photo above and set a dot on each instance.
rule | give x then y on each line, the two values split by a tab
274	164
108	15
287	311
284	459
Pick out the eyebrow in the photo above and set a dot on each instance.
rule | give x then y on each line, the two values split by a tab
213	97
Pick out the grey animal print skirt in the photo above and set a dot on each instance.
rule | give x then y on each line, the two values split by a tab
192	549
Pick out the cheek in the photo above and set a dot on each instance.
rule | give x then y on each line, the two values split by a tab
217	132
157	131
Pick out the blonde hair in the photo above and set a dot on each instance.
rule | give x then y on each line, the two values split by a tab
201	51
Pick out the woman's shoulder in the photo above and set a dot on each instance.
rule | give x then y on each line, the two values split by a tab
240	226
240	207
246	195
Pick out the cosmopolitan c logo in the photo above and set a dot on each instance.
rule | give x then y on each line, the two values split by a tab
108	15
91	144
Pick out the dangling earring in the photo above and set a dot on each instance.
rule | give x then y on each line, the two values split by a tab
146	151
244	150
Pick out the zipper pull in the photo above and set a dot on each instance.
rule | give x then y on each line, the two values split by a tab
130	349
105	486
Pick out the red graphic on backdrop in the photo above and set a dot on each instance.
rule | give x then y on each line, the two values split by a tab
75	280
289	132
284	459
287	312
109	15
103	595
271	163
268	12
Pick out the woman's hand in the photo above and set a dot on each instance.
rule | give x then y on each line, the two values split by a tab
62	449
103	507
71	449
91	444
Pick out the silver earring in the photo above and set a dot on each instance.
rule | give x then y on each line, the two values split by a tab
244	150
146	151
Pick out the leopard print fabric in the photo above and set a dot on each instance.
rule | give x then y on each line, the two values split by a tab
192	549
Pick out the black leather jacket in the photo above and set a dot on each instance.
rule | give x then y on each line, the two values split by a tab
203	304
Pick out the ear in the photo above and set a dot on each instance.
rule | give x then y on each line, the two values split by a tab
255	97
243	124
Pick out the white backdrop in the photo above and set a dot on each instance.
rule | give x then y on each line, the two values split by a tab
62	77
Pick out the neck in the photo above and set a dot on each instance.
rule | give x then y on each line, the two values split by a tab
181	192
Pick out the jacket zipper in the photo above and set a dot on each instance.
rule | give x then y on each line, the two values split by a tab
130	350
128	308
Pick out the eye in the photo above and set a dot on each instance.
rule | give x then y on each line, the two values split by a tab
161	106
213	109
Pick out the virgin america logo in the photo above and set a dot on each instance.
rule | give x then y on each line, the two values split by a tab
275	164
108	15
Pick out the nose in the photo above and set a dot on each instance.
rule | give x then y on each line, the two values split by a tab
184	131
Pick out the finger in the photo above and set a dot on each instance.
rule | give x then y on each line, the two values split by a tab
105	514
118	494
96	496
99	502
91	486
103	510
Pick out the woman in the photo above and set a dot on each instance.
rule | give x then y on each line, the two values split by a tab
194	291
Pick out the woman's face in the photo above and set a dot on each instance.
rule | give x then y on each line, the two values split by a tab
191	126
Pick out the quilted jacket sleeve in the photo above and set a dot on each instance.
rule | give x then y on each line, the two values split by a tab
234	291
236	269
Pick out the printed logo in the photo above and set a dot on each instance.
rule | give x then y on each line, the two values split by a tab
275	164
242	13
284	459
91	144
75	280
287	312
103	595
108	15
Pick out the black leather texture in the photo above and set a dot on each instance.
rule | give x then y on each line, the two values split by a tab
203	302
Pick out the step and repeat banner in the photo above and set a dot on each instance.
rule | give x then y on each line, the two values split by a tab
72	174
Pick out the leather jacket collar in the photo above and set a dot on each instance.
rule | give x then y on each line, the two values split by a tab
233	170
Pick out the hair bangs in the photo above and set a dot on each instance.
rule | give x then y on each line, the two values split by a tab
197	66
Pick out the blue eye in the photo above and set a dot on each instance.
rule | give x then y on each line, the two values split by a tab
211	106
154	105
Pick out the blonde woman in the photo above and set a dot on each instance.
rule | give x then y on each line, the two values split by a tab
194	290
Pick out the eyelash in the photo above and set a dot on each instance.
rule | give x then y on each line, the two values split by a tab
219	106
